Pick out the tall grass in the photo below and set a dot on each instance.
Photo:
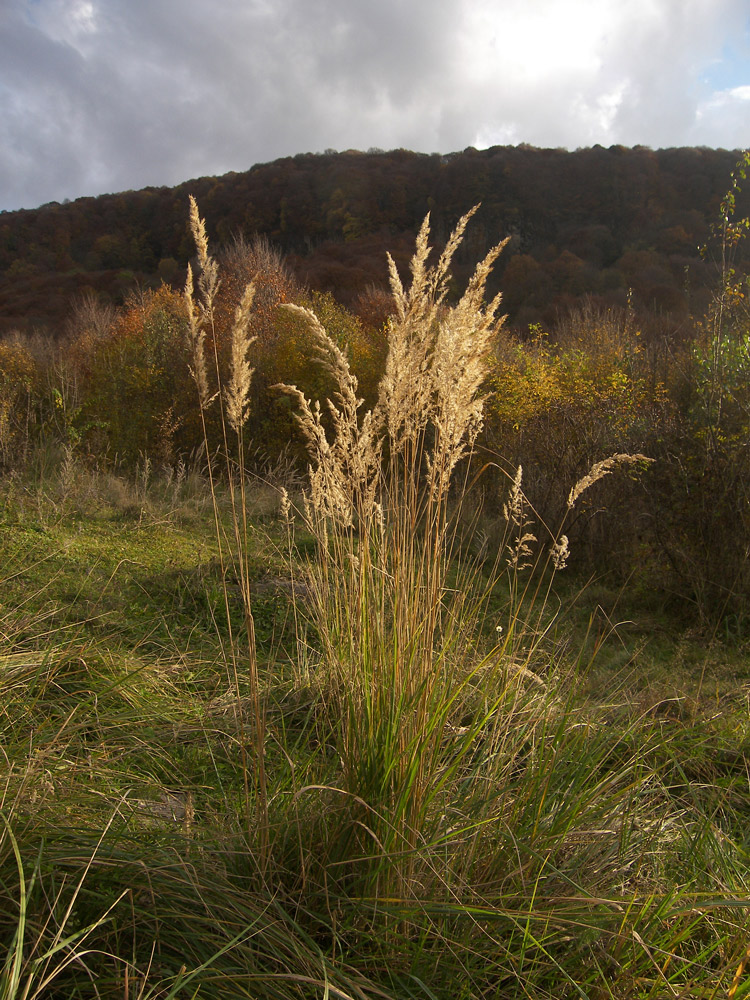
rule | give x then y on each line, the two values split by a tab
233	402
424	701
388	620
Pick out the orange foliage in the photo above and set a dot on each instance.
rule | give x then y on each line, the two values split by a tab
136	379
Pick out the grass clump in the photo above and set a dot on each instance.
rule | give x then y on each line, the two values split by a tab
378	507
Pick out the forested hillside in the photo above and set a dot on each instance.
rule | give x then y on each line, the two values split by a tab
601	223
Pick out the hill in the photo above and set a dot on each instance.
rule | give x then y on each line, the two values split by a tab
601	223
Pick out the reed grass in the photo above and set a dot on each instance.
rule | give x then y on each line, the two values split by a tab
234	413
378	506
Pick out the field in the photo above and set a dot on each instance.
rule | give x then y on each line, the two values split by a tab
357	733
598	851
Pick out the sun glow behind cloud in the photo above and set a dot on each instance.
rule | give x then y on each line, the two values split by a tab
629	72
533	42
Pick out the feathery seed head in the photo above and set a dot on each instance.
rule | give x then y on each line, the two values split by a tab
429	407
436	360
601	469
195	337
208	282
513	508
519	553
238	390
198	229
286	506
560	552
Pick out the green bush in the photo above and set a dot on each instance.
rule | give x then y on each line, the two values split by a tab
556	407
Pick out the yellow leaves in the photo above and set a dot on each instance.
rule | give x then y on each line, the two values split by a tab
17	367
536	380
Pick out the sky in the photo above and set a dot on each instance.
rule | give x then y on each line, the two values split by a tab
100	96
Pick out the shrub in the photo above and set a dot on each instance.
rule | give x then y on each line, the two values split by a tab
556	407
700	495
18	383
136	384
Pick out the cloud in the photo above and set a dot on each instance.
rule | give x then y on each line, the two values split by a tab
724	119
103	95
593	71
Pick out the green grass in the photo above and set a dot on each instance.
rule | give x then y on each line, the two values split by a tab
602	852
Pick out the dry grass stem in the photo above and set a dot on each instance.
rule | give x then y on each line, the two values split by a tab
233	402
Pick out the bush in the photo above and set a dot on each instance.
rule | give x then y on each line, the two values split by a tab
557	407
136	384
18	384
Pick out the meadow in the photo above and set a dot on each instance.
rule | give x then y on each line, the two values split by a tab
459	711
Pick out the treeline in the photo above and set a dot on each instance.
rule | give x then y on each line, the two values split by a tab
614	226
